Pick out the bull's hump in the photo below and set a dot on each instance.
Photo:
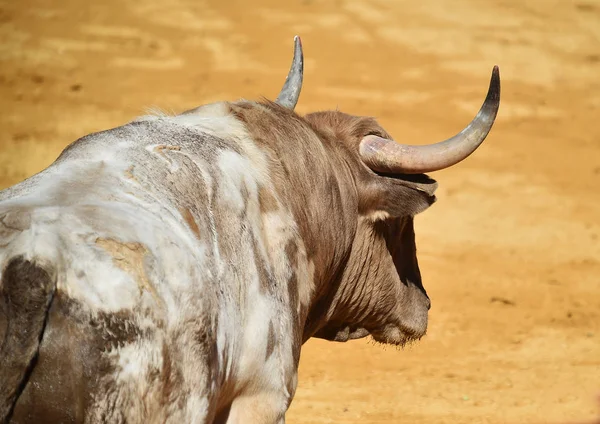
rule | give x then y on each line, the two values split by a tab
148	144
195	182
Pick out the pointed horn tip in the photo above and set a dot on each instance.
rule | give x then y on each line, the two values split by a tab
494	90
298	46
496	74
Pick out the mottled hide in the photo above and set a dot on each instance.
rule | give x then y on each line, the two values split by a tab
169	270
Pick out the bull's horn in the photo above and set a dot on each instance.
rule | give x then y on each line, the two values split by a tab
288	97
387	156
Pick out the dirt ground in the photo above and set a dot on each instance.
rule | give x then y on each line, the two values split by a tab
510	254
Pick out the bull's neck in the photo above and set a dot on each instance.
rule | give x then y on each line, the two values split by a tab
324	208
313	180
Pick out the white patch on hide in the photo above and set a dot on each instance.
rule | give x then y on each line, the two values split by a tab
235	169
136	360
378	216
305	275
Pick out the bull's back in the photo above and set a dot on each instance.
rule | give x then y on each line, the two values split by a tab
143	241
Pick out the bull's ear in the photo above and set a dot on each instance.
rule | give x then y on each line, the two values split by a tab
395	196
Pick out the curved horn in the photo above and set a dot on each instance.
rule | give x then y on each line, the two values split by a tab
387	156
288	97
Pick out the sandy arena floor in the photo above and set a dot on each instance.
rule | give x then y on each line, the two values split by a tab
510	254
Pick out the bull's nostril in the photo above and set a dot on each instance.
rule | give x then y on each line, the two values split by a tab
428	303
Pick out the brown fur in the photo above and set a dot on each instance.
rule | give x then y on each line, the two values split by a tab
25	296
191	222
130	258
271	340
366	272
291	251
267	202
264	276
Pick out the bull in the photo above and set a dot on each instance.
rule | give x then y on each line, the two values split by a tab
169	270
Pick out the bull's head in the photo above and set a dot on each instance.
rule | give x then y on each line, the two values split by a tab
377	289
